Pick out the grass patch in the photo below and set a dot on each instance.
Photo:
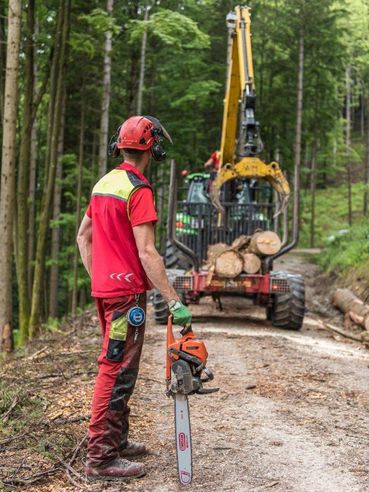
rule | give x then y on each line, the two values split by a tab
21	408
350	251
331	212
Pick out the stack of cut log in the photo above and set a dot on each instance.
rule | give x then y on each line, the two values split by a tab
244	254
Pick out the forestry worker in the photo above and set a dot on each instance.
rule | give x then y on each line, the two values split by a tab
117	245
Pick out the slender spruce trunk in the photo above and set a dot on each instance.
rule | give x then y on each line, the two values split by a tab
348	144
55	234
313	191
7	173
297	149
366	165
32	183
22	260
78	209
51	170
105	101
362	110
2	59
142	65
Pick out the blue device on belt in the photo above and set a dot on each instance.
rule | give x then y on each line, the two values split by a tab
136	316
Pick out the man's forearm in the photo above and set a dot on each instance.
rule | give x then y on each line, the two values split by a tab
86	255
155	270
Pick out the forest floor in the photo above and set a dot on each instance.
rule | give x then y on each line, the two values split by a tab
291	414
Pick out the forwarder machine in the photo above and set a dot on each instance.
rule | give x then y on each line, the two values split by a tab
247	195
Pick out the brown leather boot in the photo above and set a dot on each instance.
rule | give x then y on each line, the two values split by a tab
131	449
118	469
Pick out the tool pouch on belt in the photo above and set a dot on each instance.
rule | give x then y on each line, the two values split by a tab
117	336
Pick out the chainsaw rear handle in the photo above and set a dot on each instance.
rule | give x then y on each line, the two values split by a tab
186	329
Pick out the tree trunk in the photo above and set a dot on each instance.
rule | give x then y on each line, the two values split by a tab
142	65
362	110
105	101
23	178
78	209
7	172
58	79
313	193
353	307
366	165
55	234
299	109
2	59
348	143
32	183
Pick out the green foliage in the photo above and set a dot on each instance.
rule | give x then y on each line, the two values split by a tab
172	29
331	213
347	251
100	21
185	72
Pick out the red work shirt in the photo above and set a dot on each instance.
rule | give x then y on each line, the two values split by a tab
121	200
215	157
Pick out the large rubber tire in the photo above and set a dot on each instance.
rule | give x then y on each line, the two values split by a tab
288	308
174	258
161	311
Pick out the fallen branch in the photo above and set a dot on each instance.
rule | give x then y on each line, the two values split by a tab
343	333
34	356
77	449
69	469
32	478
14	403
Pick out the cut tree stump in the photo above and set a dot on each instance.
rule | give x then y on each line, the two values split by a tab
251	263
353	308
264	243
229	264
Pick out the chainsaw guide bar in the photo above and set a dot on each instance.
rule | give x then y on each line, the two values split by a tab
185	365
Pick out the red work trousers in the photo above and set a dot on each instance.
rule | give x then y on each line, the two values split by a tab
118	368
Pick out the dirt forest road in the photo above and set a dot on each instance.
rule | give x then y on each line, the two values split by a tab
291	414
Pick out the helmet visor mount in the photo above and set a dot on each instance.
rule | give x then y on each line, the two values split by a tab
158	129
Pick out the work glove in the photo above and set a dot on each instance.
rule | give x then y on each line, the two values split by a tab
181	314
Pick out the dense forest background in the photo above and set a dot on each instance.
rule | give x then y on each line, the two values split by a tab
77	69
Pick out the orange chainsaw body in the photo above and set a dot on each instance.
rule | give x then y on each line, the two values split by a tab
188	344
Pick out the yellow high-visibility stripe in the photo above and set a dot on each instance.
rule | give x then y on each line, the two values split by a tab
115	184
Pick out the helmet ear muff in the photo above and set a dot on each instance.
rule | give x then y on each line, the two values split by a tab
157	151
113	150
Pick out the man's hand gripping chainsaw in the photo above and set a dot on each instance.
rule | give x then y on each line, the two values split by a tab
186	369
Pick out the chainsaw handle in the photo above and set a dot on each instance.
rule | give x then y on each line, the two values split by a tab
170	340
186	329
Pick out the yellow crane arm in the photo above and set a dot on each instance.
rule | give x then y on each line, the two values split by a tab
240	79
240	141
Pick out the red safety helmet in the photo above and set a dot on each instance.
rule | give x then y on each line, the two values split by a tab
143	133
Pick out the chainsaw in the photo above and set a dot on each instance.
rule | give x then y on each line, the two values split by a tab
185	374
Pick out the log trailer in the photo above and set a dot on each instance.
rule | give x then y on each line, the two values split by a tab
247	195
